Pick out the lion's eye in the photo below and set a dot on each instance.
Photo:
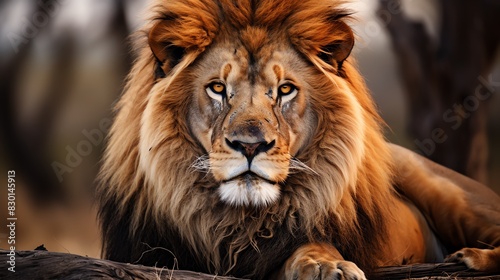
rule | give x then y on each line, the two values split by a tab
216	91
286	89
218	88
287	92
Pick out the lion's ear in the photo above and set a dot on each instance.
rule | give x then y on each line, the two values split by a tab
339	49
164	49
171	40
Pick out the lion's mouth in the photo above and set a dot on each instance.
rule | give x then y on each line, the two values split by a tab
248	189
248	177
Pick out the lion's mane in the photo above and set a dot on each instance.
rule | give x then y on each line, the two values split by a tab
156	209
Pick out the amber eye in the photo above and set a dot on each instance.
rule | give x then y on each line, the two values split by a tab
217	88
286	89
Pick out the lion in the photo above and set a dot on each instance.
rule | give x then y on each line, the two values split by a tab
247	144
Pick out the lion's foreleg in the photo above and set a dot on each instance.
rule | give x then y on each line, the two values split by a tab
318	261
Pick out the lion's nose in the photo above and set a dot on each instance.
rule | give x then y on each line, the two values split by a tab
250	150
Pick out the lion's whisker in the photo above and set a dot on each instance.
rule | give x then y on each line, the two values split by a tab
298	166
201	164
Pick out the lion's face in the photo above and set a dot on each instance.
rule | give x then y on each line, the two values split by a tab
251	114
254	96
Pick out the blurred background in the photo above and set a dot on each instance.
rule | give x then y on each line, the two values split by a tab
433	67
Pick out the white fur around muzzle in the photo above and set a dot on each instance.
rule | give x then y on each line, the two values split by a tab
245	192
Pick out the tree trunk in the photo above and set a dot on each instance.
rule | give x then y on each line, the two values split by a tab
447	81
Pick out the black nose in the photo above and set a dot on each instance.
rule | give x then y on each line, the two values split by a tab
250	150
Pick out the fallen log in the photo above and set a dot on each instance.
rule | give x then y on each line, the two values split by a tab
50	265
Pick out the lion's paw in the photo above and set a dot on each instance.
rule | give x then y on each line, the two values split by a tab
487	260
326	270
320	261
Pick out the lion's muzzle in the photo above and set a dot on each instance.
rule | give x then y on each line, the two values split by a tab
249	165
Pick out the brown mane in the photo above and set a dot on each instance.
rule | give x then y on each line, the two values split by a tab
151	194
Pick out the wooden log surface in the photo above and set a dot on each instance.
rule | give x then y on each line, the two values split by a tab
41	265
50	265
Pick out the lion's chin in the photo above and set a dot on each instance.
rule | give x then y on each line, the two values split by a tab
249	190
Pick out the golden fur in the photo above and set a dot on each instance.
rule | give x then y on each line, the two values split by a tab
153	193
